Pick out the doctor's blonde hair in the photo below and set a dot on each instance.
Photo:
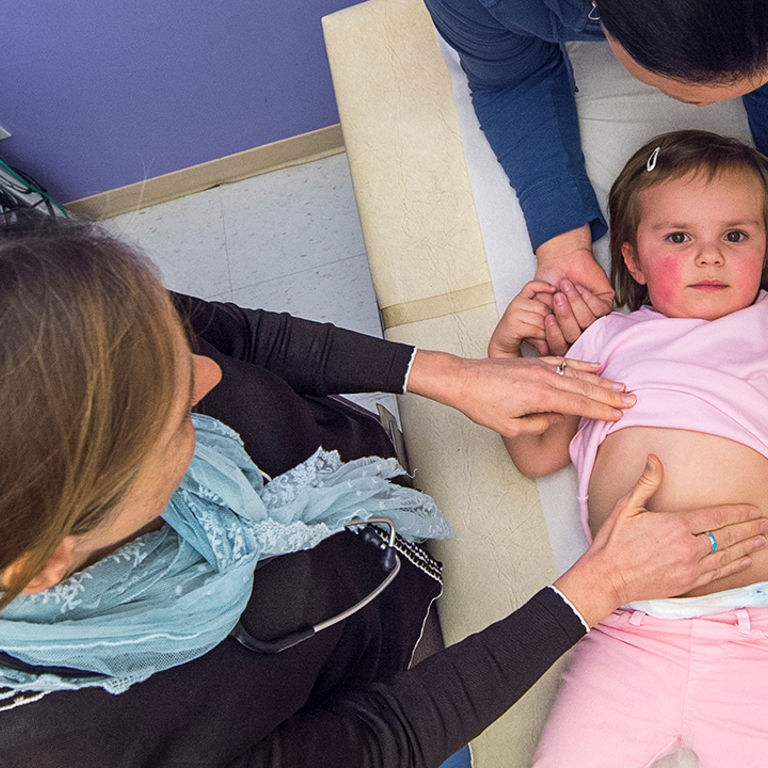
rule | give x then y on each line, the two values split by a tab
87	368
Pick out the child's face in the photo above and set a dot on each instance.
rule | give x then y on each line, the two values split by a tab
700	244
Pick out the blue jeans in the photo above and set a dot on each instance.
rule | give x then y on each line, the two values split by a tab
460	759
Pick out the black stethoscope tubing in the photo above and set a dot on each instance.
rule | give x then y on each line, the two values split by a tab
391	564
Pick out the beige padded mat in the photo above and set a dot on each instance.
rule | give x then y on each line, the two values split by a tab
432	282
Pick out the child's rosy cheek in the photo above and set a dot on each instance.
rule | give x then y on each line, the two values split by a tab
665	278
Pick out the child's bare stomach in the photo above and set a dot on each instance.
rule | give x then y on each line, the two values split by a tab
700	470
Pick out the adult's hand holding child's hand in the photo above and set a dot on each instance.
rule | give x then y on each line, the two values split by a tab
574	309
567	258
524	319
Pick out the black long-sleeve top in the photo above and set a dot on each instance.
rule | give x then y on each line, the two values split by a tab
344	697
276	370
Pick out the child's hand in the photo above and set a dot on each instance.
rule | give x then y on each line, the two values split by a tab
523	320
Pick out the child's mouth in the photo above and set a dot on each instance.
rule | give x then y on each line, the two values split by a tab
709	285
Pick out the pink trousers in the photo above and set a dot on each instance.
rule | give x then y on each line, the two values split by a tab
637	688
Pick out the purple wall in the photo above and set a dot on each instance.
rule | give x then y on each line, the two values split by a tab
102	94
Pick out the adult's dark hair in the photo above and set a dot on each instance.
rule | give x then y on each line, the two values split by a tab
698	41
675	154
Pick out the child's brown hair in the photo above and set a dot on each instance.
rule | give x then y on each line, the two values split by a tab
670	156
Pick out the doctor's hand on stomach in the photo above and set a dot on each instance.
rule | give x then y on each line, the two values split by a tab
642	555
700	469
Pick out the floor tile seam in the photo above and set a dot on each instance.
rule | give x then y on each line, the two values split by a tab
299	272
222	210
346	234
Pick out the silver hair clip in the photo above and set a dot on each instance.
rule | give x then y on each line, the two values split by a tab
594	14
652	158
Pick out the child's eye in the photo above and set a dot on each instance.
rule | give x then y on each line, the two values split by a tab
735	236
677	237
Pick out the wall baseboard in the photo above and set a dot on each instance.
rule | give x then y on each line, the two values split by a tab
285	153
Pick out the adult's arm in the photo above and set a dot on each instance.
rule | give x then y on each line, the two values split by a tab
522	92
313	358
756	104
507	396
430	711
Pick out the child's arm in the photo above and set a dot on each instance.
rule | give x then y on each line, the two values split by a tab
524	318
540	455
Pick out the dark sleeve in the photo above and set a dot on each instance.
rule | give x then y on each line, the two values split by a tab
522	92
427	713
314	358
756	104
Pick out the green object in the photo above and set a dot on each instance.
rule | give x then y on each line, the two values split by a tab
21	195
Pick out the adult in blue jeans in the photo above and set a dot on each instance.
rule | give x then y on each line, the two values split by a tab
513	53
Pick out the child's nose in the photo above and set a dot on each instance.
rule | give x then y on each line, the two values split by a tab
710	254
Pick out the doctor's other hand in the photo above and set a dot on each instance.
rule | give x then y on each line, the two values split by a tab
642	555
515	396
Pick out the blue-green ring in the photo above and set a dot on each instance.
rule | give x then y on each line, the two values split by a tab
713	541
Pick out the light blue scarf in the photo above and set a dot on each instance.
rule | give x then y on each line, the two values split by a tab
171	595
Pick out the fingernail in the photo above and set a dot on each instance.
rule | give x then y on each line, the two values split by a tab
618	414
567	285
579	289
549	319
618	386
559	298
759	542
628	399
753	513
648	465
763	528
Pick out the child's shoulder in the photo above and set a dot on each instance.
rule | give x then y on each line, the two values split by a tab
620	319
646	312
605	328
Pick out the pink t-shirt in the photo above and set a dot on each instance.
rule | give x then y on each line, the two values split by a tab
701	375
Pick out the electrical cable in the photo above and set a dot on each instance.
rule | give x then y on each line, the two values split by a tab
12	200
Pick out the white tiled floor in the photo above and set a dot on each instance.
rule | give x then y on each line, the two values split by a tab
286	241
